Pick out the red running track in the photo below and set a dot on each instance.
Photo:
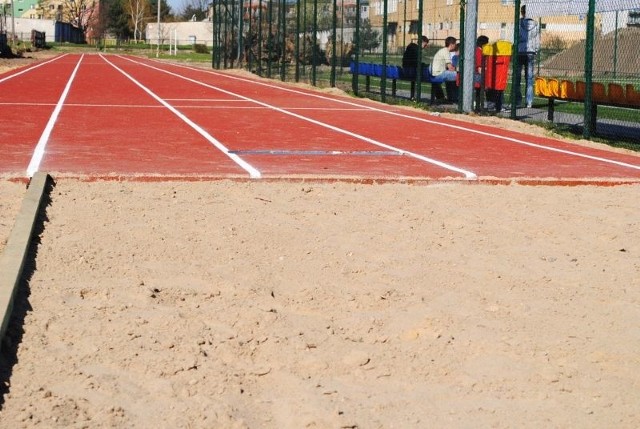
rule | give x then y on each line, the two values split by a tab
112	116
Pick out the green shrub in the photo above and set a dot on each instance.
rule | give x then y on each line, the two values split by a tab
555	43
200	48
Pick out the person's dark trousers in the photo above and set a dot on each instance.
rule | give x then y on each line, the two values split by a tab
452	91
526	62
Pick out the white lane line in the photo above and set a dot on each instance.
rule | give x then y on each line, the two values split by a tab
402	115
215	100
288	109
38	153
184	106
27	104
84	105
31	68
253	172
467	174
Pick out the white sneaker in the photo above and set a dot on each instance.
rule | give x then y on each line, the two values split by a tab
529	105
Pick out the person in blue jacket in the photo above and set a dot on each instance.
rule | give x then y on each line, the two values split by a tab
528	47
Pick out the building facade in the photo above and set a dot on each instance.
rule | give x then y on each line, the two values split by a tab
441	18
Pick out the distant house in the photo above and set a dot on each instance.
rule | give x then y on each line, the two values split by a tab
185	33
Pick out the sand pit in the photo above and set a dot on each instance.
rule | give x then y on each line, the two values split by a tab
305	305
291	305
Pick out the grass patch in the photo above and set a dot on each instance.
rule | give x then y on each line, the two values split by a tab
574	132
604	112
185	56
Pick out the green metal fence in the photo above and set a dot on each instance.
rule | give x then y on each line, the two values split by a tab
584	69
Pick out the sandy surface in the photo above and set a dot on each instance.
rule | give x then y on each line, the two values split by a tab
284	305
293	305
26	59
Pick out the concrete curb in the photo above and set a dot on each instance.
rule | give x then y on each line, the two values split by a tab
15	252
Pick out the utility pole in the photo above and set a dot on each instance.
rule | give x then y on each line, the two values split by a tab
158	48
13	24
468	54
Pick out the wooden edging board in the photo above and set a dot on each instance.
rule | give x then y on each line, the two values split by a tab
15	252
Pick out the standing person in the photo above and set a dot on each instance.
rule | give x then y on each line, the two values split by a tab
477	71
528	47
410	57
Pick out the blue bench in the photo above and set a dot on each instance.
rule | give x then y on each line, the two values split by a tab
396	73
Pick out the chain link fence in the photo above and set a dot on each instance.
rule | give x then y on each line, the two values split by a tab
571	63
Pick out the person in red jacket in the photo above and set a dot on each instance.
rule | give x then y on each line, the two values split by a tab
477	71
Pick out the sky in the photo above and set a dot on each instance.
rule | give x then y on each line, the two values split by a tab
176	5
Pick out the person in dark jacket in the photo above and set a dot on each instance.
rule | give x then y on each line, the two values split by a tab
410	57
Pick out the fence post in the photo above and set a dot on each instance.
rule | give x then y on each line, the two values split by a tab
214	16
418	94
270	37
588	72
283	18
259	67
334	36
297	55
515	59
240	31
383	77
615	49
355	78
314	42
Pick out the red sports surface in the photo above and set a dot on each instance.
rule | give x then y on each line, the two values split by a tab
105	116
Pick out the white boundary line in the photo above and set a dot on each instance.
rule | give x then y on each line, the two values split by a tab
137	106
27	104
38	152
185	106
458	127
207	100
31	68
253	172
468	174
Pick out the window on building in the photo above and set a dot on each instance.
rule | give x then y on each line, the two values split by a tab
378	8
392	6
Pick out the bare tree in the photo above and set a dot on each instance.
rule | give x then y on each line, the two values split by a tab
194	10
136	11
77	12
